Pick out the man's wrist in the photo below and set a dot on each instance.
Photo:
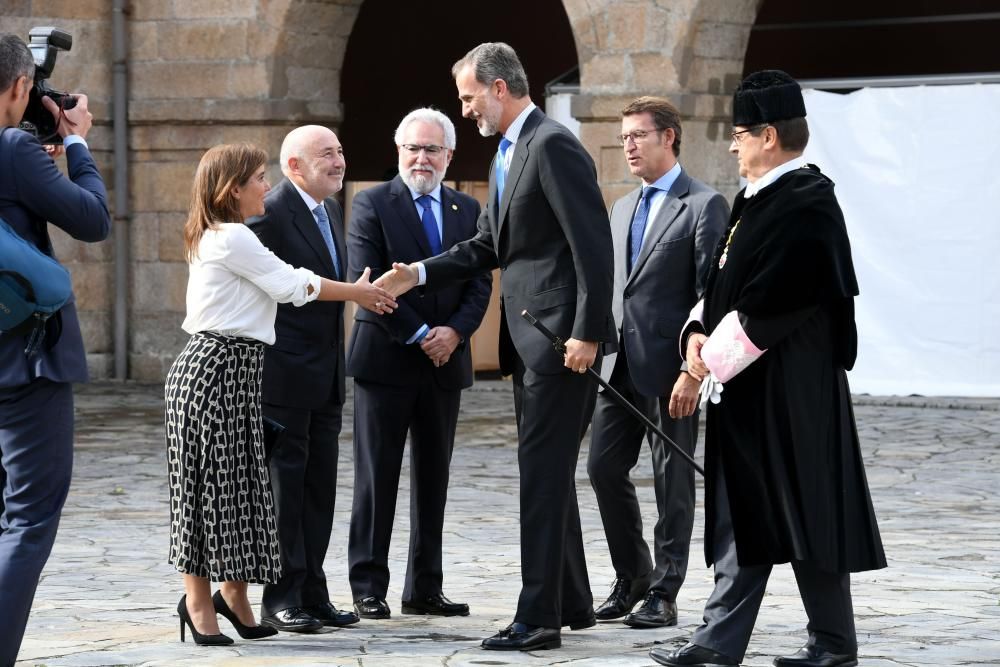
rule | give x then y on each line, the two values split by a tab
71	139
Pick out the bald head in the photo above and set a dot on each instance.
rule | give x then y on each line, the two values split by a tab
312	158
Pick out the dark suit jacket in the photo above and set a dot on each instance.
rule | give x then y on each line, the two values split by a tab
385	228
306	362
551	238
652	303
33	191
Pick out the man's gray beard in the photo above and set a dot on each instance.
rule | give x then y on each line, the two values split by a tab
487	129
421	184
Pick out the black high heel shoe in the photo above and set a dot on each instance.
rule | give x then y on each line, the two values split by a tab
246	631
200	639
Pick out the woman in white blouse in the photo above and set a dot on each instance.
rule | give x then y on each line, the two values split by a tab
222	524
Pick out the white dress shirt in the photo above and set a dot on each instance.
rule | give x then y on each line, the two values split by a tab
235	285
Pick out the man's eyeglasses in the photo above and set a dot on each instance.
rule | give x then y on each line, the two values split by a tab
636	136
737	135
430	149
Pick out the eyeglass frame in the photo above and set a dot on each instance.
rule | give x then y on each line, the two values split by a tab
430	149
736	136
637	135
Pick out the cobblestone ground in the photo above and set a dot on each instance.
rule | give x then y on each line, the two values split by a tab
108	597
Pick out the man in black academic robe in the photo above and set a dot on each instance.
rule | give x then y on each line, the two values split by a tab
785	480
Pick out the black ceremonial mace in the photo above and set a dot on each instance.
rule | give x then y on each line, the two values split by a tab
560	347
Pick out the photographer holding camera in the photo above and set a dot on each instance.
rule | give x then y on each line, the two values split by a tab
36	396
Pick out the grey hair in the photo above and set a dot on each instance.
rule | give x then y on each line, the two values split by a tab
15	60
495	60
428	115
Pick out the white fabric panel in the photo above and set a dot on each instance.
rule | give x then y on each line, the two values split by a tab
918	176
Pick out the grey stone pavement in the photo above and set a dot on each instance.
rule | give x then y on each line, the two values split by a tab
108	597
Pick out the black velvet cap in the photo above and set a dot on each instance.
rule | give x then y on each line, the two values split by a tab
767	96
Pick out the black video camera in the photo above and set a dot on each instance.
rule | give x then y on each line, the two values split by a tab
45	43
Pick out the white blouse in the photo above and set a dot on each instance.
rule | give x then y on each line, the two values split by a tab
235	284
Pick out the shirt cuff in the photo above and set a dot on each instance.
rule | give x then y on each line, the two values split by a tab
419	335
317	284
421	274
71	139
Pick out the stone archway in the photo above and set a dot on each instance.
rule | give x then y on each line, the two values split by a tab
202	72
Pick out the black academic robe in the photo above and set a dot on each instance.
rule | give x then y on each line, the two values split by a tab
784	430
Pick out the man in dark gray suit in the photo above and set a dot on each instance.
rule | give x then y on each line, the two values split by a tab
665	232
36	392
303	385
546	228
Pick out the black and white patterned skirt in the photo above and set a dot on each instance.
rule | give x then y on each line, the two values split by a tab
222	524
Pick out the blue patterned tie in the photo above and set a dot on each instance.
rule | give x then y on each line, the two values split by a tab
501	169
430	224
639	225
323	222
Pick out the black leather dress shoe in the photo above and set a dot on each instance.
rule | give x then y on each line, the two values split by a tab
523	637
293	619
625	594
656	612
690	655
817	656
435	605
332	617
372	607
581	622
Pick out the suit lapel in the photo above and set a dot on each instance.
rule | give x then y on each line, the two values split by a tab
665	217
402	203
305	223
449	219
518	160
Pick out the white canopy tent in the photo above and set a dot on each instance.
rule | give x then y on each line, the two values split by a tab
918	176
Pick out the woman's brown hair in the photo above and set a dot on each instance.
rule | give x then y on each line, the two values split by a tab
221	169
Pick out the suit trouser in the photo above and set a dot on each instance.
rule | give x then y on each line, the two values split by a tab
303	472
731	609
615	442
383	414
552	416
36	466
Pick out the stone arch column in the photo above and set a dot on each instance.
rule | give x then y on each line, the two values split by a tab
690	51
204	72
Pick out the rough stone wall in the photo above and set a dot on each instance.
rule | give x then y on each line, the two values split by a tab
690	51
202	72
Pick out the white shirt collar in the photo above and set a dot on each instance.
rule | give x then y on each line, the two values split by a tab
772	176
310	202
514	129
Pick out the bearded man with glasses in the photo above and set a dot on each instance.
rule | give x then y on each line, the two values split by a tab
409	373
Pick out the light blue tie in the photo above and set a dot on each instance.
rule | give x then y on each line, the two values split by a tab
639	225
323	222
430	224
501	169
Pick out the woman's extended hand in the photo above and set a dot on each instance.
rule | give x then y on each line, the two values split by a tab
371	297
